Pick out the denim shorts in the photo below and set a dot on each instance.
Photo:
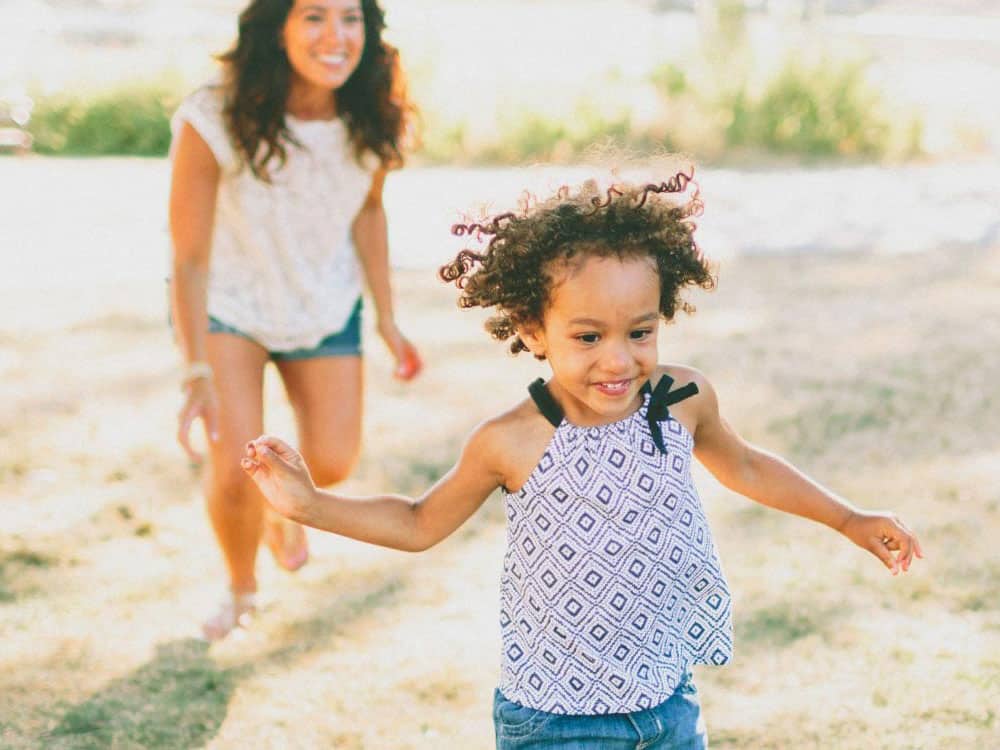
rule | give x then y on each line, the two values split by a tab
344	343
675	724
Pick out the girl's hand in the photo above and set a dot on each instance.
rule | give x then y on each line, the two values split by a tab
408	362
281	474
199	403
883	534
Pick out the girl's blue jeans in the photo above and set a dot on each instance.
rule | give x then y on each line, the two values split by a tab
675	724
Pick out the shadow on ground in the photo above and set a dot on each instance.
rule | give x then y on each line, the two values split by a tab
177	700
181	697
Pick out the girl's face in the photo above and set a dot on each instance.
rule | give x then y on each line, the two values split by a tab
323	40
599	337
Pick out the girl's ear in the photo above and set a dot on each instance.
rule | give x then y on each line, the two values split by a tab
534	339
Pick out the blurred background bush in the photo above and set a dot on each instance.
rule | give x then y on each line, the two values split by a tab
513	82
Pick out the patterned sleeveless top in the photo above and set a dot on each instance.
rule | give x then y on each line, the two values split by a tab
611	584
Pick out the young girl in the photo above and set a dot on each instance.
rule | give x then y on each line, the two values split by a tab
276	222
611	587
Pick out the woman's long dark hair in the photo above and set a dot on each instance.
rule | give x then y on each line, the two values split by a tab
373	102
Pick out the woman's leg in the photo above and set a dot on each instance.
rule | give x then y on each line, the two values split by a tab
235	507
325	393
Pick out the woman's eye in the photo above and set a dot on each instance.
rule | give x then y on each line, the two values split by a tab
640	334
353	18
314	18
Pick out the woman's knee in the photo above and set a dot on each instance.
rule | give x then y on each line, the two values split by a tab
227	480
329	470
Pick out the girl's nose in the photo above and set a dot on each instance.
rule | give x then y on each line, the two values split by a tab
616	358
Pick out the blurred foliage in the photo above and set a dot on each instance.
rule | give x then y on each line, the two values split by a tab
712	109
134	120
821	110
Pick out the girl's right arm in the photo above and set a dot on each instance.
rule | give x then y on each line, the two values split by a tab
387	520
193	188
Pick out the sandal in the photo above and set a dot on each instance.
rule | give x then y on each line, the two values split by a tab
236	612
287	542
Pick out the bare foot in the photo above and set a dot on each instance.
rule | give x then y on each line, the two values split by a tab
287	541
235	612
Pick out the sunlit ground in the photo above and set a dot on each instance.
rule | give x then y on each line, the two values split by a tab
873	372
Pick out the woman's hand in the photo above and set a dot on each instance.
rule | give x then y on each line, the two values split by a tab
408	362
281	474
883	534
199	403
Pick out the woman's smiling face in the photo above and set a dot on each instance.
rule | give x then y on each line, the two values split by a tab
324	40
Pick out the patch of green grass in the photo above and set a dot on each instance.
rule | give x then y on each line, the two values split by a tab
779	625
839	410
178	700
986	719
13	565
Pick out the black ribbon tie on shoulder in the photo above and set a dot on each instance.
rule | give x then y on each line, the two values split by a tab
660	401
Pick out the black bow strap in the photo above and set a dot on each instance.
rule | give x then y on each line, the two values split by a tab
660	401
545	403
658	411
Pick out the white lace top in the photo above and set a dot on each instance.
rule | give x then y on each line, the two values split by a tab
283	268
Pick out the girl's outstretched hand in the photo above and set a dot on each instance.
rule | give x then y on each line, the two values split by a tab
883	534
408	362
281	474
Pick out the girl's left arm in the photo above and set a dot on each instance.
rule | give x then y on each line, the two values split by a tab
371	242
770	480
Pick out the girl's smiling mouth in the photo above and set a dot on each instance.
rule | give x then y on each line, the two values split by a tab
614	387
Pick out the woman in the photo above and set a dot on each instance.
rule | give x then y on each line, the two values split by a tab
276	218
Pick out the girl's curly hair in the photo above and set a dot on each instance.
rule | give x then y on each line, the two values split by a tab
515	273
373	102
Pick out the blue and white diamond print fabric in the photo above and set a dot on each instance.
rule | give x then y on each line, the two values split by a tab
611	585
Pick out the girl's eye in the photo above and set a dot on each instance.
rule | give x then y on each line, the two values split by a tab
640	334
314	18
588	338
353	18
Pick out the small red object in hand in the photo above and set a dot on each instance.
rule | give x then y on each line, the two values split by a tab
409	365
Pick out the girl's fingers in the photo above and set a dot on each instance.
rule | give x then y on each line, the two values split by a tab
271	460
881	550
905	552
913	540
281	451
908	545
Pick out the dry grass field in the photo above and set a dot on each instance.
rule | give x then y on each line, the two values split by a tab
878	375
